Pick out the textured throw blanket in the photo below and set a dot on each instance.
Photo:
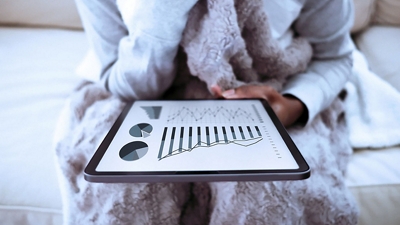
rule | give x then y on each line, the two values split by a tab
229	43
90	112
372	108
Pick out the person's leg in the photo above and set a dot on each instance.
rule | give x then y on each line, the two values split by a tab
321	199
87	117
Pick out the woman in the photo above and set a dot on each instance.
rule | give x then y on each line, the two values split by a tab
136	43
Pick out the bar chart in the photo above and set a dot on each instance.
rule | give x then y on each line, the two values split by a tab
178	140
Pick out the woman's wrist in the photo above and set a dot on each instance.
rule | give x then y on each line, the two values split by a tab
296	110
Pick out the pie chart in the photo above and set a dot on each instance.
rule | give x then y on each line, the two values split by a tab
133	151
141	130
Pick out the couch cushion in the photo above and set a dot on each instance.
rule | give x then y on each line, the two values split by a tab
381	47
37	75
387	12
378	204
60	13
374	179
363	10
369	167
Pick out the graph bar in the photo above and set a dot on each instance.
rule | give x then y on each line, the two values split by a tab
251	133
258	131
171	145
216	134
162	142
224	132
233	133
181	140
190	137
198	136
241	132
208	136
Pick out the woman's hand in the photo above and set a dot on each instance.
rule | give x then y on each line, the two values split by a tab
288	108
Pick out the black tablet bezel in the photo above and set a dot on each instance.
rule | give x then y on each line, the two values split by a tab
91	175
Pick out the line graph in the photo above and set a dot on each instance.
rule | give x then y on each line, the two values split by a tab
242	143
186	139
219	114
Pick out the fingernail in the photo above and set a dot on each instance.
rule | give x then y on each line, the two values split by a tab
228	93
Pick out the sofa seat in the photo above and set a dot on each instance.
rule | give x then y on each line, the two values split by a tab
373	177
374	174
37	74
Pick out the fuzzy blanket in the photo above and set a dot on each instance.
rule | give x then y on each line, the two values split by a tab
321	199
90	112
229	43
372	108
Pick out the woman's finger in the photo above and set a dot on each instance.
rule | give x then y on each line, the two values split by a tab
216	90
249	91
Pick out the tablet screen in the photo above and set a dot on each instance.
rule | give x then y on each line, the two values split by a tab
201	135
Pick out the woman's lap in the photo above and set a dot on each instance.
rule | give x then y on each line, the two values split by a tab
321	198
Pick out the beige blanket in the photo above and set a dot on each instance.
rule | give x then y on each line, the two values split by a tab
91	111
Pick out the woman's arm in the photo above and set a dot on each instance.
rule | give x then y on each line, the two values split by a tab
326	24
136	42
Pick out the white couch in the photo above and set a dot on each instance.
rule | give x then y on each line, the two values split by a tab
41	45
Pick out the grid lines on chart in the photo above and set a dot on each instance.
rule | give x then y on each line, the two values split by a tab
214	115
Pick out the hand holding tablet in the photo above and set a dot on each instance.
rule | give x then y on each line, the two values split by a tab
197	140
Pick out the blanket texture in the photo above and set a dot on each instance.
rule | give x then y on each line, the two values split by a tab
241	57
372	108
229	43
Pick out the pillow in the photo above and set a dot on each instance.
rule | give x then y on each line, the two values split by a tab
387	12
42	13
363	10
382	56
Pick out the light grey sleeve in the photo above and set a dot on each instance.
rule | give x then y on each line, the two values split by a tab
136	43
326	24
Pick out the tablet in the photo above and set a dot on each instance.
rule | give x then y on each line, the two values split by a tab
196	141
